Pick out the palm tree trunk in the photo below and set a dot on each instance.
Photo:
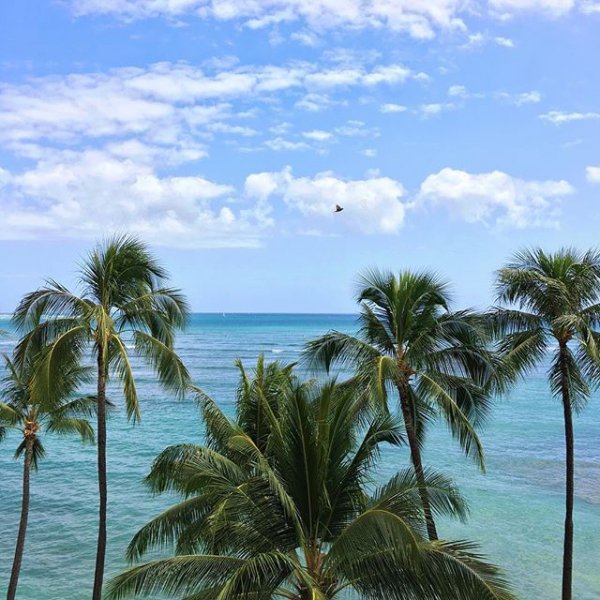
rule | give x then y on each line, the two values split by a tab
415	456
16	568
567	577
102	487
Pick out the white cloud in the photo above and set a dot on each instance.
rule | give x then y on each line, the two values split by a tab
371	205
315	102
232	129
474	40
84	194
519	99
392	108
370	152
280	128
306	38
590	7
551	7
280	144
164	101
81	194
505	42
354	128
496	198
418	19
478	39
559	117
435	108
352	56
459	91
592	174
318	135
388	74
532	97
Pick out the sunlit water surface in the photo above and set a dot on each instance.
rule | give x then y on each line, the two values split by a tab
516	508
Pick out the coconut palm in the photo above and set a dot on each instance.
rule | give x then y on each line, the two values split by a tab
35	403
551	308
123	301
411	343
300	518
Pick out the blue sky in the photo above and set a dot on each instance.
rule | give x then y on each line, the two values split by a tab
224	132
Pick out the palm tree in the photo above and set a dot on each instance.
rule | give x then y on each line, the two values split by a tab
551	307
39	402
411	343
123	298
299	518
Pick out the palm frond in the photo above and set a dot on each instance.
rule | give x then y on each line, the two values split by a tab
177	576
171	371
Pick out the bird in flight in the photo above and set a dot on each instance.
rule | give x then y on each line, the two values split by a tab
338	208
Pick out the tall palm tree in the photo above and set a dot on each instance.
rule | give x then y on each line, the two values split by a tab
299	518
435	360
123	298
551	307
36	403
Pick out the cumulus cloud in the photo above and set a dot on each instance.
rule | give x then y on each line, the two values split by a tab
478	39
392	108
435	108
590	7
164	100
355	128
318	135
503	41
279	144
458	91
592	174
72	194
418	19
105	149
495	198
551	7
313	102
84	194
519	99
558	117
373	205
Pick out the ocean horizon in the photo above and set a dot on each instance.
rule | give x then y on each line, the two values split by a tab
516	511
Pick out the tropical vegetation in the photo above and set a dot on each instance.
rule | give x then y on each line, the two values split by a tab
550	306
433	359
280	503
37	398
285	499
123	298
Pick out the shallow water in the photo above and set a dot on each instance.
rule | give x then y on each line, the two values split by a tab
516	508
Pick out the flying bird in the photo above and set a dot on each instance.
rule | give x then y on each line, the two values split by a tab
338	208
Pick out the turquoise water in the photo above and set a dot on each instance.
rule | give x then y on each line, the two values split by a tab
516	508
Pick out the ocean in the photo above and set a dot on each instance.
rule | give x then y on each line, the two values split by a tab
516	507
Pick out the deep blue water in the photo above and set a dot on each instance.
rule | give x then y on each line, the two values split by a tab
516	507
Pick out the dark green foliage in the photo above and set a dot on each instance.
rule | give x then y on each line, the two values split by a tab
123	297
281	503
